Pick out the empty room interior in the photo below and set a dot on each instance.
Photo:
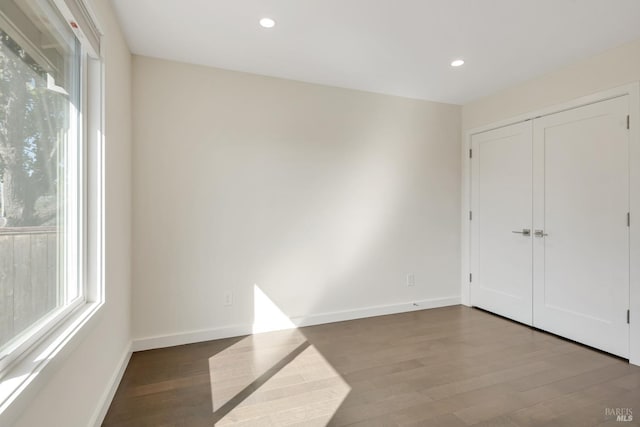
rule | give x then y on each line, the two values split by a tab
319	213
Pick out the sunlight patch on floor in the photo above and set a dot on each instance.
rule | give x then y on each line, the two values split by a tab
274	378
305	391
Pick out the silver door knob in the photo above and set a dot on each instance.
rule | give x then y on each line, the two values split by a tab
524	232
540	233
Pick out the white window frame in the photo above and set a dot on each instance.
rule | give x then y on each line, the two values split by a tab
43	326
31	364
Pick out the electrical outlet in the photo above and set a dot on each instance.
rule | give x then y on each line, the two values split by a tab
411	279
228	299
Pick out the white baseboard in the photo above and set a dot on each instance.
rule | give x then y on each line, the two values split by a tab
107	396
191	337
170	340
380	310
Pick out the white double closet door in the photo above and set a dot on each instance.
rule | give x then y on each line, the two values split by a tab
549	231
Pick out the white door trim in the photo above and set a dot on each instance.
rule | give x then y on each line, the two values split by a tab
633	91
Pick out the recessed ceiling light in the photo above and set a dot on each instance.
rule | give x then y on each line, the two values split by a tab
457	63
267	23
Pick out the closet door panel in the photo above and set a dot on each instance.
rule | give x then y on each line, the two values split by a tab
581	200
501	206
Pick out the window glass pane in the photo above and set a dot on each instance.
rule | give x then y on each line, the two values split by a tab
40	168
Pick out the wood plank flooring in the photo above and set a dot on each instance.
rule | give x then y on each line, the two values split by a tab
453	366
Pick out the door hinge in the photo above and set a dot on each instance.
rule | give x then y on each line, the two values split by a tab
628	316
470	153
628	219
470	215
470	277
628	121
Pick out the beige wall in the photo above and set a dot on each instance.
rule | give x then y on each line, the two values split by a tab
607	70
72	397
325	198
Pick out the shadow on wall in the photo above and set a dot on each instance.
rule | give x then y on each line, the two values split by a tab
327	207
325	254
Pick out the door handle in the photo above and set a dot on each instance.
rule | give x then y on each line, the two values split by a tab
524	232
540	233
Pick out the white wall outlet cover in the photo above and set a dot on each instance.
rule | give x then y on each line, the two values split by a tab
411	279
228	299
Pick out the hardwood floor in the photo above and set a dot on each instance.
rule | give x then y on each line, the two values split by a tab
453	366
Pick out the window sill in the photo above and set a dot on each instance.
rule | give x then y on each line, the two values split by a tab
22	381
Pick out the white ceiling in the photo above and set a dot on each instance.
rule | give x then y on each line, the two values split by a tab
398	47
